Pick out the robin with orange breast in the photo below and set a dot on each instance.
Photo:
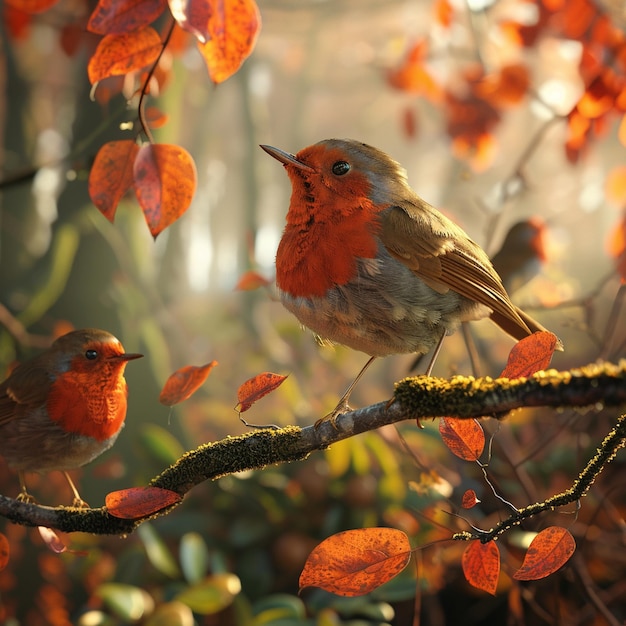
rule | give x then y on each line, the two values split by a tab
365	262
64	407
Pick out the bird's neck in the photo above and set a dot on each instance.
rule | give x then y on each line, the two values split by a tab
321	244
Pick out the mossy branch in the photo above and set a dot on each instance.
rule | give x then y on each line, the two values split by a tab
414	398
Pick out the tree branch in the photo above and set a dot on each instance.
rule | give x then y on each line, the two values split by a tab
420	397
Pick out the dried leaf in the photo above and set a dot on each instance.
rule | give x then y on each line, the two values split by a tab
184	382
232	32
111	175
481	565
470	499
114	17
548	552
121	54
165	182
464	437
529	355
251	280
256	388
355	562
138	502
51	539
155	117
5	551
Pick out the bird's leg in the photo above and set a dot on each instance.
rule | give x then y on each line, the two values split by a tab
23	495
431	363
78	502
342	405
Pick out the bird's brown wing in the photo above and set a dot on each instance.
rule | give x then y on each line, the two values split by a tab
444	257
26	388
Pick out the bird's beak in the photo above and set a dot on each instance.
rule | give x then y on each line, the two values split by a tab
286	159
127	356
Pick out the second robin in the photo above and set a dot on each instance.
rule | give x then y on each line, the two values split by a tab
64	407
365	262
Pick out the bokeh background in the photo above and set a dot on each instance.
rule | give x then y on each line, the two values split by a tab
320	70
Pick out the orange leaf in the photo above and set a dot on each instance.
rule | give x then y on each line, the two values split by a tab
255	388
32	6
156	118
251	280
412	75
443	12
615	186
470	499
548	551
5	551
233	29
139	502
121	54
355	562
481	565
111	175
114	17
165	182
507	87
193	16
529	355
184	382
464	438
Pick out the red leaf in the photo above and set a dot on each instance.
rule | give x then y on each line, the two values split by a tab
5	551
255	388
481	565
17	22
232	29
165	182
531	354
470	499
251	280
548	551
155	117
464	437
111	175
193	16
355	562
114	17
121	54
184	382
139	502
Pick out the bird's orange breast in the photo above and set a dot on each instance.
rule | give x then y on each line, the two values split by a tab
90	406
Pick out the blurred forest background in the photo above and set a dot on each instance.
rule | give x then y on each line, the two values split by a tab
319	70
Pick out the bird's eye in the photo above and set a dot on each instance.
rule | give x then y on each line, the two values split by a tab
91	355
340	168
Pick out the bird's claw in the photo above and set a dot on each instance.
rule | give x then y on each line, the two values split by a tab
24	496
333	416
79	503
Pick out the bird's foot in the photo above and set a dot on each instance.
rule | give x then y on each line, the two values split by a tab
24	496
79	503
333	416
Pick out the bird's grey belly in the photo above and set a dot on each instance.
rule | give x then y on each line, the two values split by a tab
385	310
